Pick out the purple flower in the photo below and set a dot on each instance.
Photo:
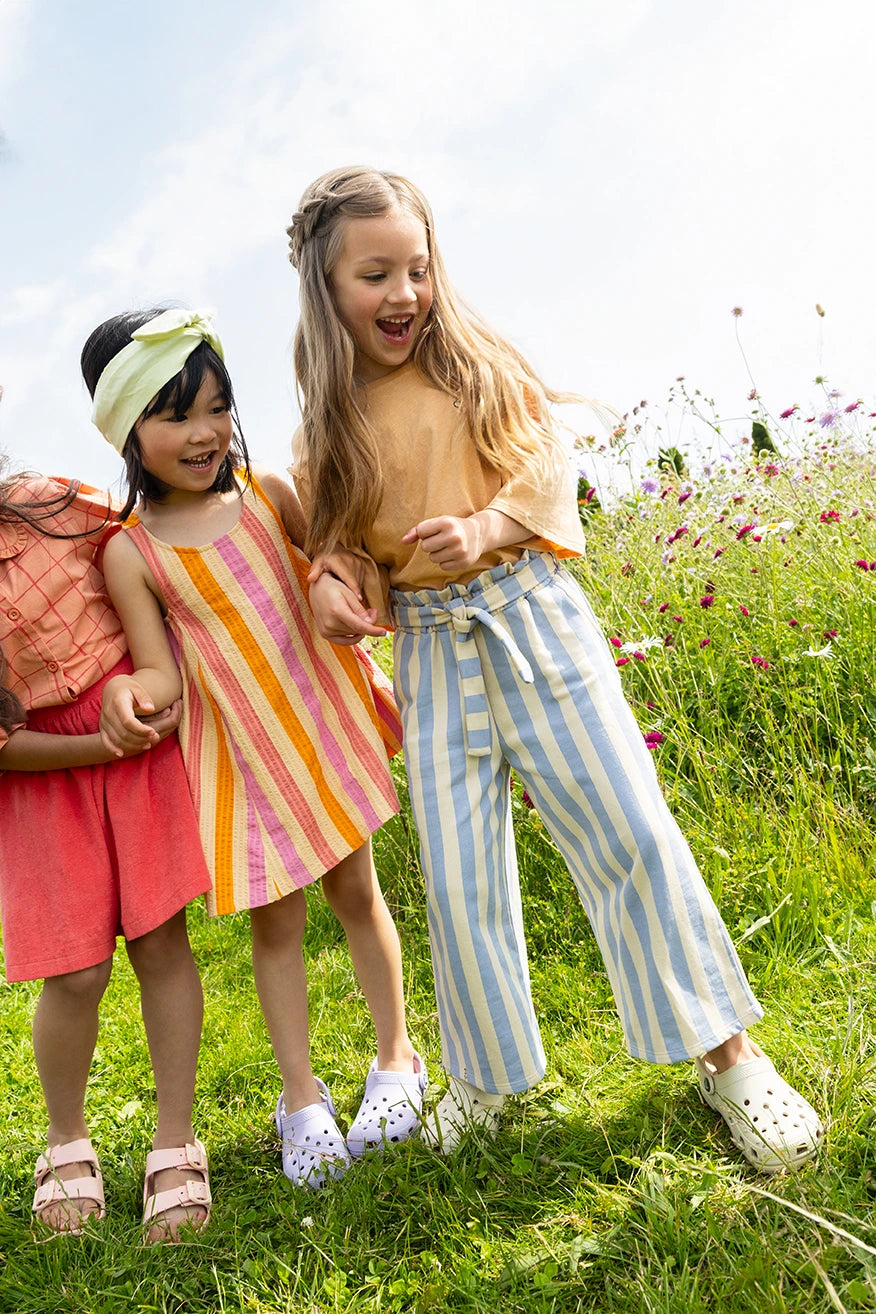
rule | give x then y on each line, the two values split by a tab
746	529
760	661
862	565
707	600
704	643
653	738
852	406
829	419
786	415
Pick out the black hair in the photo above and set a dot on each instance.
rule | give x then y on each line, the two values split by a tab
11	711
178	394
36	512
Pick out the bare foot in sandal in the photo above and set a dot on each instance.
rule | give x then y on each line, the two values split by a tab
69	1187
176	1191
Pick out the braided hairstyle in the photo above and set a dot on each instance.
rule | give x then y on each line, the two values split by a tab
504	401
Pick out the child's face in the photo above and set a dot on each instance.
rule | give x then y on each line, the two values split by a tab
382	289
186	451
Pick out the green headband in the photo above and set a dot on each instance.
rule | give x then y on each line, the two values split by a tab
157	352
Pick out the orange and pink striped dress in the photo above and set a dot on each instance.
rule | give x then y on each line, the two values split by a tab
286	737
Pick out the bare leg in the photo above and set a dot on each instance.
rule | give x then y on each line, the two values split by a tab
358	903
172	1004
281	982
738	1049
64	1035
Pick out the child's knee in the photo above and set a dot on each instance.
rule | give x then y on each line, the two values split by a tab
352	894
274	924
82	988
157	950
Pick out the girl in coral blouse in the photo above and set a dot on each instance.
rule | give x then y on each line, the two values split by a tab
118	853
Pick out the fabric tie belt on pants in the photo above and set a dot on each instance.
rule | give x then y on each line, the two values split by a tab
468	608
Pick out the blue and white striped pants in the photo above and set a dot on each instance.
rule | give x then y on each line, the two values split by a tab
512	672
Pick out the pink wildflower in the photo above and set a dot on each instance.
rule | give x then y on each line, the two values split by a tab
862	565
746	529
852	406
704	643
707	600
736	312
527	800
682	497
622	661
827	516
678	619
719	552
760	661
829	634
627	568
744	611
792	623
652	738
698	540
664	606
786	415
616	643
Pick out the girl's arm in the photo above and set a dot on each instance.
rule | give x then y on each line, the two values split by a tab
459	542
156	681
34	750
345	565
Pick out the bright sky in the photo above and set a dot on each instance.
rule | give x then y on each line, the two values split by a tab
609	180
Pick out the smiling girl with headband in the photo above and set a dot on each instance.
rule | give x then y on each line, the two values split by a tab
285	738
428	447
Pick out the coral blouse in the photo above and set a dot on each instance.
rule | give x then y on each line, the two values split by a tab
58	631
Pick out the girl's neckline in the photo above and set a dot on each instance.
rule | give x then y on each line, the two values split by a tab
198	547
388	378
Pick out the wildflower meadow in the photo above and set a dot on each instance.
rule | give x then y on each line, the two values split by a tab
733	566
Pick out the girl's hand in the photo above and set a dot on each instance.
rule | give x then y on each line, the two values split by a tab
339	614
121	731
344	565
452	542
164	723
459	542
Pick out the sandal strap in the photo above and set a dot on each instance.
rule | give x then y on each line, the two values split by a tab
54	1191
180	1156
187	1193
58	1156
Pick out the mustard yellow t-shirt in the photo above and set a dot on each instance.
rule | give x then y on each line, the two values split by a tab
431	468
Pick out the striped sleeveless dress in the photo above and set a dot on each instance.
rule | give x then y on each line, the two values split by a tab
286	737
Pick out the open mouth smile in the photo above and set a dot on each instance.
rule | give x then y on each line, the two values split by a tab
200	462
396	329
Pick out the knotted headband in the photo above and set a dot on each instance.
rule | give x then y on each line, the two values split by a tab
157	352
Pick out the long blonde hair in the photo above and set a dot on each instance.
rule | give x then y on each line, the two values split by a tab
502	398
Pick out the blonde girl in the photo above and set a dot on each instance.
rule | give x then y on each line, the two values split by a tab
285	746
427	447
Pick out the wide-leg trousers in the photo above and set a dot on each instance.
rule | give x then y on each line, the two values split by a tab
512	673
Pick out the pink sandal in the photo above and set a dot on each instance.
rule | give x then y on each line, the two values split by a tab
157	1203
52	1190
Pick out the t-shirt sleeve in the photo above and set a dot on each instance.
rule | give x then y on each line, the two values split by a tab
546	504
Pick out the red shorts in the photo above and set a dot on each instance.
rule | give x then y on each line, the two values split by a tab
91	853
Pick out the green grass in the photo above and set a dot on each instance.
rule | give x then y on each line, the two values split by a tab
610	1186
